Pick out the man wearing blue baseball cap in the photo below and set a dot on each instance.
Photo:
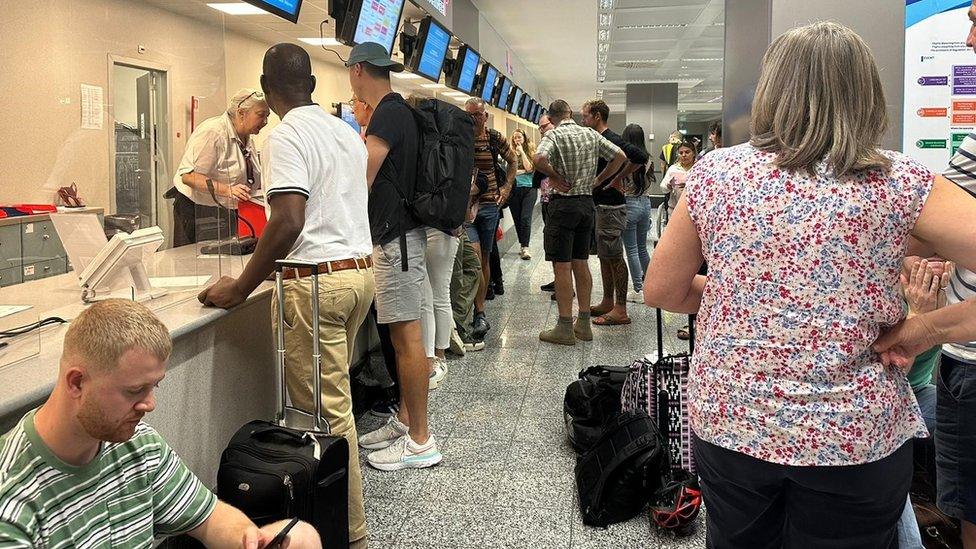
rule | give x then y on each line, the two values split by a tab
392	143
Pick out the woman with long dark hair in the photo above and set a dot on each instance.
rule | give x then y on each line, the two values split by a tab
636	187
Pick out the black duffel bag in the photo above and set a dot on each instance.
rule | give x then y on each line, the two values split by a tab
590	402
617	478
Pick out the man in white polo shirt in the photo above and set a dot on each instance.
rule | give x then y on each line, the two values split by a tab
315	176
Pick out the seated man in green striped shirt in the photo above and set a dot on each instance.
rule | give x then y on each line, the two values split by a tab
83	470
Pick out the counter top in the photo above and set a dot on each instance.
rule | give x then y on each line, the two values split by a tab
16	220
29	365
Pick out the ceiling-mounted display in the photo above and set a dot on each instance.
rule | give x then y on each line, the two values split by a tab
504	94
516	103
286	9
428	56
489	77
466	70
367	21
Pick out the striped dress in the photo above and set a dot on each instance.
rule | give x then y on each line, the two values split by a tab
962	285
130	492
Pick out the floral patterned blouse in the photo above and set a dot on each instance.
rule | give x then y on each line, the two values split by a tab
802	276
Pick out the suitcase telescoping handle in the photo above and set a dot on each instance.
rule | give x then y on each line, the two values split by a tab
660	334
280	266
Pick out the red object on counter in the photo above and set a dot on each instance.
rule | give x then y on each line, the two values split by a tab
254	214
3	214
31	209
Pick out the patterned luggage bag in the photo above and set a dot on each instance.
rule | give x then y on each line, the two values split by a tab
661	389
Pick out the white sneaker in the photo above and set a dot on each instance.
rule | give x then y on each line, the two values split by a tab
457	344
385	435
634	296
437	374
404	453
525	253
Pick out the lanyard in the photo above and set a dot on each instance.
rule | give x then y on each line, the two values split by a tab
248	167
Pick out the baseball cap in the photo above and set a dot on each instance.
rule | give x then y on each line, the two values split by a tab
374	54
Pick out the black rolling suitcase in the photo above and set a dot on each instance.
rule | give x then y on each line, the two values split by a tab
292	466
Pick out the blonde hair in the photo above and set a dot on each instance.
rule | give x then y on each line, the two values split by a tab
528	147
101	334
245	99
820	98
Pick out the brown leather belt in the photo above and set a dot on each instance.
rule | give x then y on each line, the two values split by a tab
330	267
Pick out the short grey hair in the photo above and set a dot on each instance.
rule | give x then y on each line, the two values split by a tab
820	98
476	101
245	99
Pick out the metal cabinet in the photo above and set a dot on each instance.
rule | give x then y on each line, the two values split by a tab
10	276
10	249
43	269
40	241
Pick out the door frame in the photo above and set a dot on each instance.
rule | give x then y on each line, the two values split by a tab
143	64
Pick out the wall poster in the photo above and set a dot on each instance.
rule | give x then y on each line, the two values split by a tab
940	80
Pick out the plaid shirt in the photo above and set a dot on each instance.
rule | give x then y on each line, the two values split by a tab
574	152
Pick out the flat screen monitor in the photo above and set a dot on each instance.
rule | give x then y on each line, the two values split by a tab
432	42
516	103
489	76
504	94
345	113
527	108
536	113
286	9
370	21
466	70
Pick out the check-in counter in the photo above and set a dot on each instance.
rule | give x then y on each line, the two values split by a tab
220	374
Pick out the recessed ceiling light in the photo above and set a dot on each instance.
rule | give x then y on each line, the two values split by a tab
320	41
644	27
238	8
405	75
433	86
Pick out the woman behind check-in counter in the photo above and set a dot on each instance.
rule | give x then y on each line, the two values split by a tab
221	155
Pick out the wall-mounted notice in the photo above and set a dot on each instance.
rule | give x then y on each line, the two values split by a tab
92	107
940	80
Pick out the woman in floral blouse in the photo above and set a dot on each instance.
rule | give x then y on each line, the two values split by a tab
803	432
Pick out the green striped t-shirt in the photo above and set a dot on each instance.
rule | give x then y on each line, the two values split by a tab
130	492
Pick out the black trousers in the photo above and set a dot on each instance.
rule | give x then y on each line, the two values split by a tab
193	223
389	356
755	504
522	204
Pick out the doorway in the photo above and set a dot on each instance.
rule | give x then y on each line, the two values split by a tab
141	143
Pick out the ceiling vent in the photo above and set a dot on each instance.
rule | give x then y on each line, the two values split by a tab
637	64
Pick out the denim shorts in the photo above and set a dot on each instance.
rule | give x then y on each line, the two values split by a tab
955	439
484	226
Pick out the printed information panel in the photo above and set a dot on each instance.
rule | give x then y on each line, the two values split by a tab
940	80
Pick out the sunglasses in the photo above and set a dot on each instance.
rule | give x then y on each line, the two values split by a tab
257	94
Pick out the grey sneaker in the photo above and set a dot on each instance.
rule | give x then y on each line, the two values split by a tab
404	453
385	435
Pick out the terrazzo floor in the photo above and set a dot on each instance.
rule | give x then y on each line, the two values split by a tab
507	476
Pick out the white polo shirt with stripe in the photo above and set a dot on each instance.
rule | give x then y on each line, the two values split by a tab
317	155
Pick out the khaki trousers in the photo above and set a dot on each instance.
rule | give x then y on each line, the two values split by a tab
344	300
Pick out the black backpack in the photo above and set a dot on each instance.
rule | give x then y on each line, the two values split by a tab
444	167
590	402
618	476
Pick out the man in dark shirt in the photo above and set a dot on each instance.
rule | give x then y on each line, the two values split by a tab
392	143
611	220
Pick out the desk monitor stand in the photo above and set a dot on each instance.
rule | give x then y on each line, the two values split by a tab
120	261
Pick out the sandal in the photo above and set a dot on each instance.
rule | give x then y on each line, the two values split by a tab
598	311
684	334
607	320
